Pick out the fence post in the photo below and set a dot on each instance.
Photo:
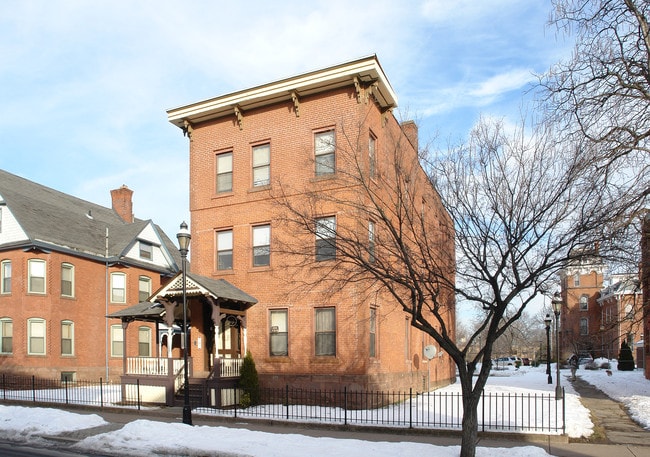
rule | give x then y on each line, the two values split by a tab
483	410
410	407
101	393
4	387
137	382
563	412
345	405
286	399
65	384
34	388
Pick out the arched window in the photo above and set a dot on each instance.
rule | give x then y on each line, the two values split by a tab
144	342
6	336
67	338
67	280
36	333
584	302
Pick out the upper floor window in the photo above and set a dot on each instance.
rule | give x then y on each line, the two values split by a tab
5	277
372	352
584	302
224	250
146	250
118	287
36	332
371	242
6	336
144	288
144	342
279	334
262	165
325	238
224	172
324	152
576	280
584	326
67	338
261	245
325	331
117	341
36	276
67	280
372	157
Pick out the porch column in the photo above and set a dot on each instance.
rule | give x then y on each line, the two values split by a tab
216	320
125	325
244	332
170	345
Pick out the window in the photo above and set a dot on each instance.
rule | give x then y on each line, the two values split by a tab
261	245
629	312
36	336
67	338
224	250
117	341
67	280
324	148
224	172
279	336
6	336
372	352
36	280
576	280
325	331
5	277
371	242
144	288
261	165
372	158
144	342
325	238
0	220
118	287
584	326
584	303
146	250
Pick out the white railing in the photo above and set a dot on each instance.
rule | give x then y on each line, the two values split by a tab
154	366
230	368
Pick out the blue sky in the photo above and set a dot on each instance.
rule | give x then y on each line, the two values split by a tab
84	85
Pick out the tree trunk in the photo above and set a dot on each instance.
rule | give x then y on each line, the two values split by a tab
469	437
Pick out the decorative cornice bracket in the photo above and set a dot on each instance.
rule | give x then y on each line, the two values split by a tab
240	117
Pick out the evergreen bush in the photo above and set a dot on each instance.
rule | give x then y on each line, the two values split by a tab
249	382
625	359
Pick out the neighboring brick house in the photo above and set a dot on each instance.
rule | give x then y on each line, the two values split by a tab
65	264
599	310
645	287
242	146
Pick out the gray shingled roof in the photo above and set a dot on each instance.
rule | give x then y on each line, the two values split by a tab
56	220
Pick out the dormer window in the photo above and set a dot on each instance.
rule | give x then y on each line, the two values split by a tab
146	250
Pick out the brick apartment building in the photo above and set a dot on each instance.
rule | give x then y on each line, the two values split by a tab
599	310
246	148
65	264
645	287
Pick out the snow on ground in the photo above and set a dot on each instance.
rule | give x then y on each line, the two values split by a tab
149	438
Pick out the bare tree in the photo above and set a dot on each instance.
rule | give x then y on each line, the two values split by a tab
601	95
518	207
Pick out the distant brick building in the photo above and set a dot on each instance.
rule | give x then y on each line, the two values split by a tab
645	286
242	147
65	264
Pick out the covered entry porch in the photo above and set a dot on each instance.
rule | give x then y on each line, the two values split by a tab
217	342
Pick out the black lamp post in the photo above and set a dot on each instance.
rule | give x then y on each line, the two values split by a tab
556	302
183	247
547	322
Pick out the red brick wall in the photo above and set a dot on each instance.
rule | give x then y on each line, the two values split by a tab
399	363
87	310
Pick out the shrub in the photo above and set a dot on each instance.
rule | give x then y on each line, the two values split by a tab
625	359
249	382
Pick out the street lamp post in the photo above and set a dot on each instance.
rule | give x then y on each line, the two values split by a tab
183	247
547	322
557	307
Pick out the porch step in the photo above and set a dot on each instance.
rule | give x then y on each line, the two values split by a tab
195	390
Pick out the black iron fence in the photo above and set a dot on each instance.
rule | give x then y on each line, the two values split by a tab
513	412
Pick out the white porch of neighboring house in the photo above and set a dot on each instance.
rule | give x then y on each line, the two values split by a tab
216	313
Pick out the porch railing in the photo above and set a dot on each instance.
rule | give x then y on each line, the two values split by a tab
153	366
229	368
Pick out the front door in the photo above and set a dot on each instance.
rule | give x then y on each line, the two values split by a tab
230	338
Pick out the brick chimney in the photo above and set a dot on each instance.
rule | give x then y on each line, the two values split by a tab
410	129
122	203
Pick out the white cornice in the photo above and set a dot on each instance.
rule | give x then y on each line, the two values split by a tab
366	70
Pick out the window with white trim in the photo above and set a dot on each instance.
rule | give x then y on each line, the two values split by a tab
144	288
36	276
325	152
144	342
6	336
117	341
67	280
372	157
325	238
224	172
261	245
67	338
584	303
325	331
118	288
262	165
36	333
224	250
5	277
279	332
371	242
146	250
372	352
